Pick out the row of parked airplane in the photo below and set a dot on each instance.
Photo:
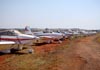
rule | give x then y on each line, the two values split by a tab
15	37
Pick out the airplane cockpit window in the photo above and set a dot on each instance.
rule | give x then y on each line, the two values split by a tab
3	33
17	32
7	33
11	33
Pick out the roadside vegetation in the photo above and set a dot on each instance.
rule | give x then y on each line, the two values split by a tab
98	38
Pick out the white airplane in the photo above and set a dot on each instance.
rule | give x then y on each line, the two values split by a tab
85	33
15	37
68	34
48	37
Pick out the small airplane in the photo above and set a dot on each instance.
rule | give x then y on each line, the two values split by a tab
48	37
16	38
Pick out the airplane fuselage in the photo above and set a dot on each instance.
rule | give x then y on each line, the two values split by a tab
17	38
50	35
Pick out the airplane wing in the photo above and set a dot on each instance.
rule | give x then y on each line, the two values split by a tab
46	37
7	42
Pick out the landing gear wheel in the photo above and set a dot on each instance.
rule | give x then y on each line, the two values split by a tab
60	42
31	51
13	50
49	42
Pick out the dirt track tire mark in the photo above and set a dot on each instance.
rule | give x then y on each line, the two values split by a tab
83	54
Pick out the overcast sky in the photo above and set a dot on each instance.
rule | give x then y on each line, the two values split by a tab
83	14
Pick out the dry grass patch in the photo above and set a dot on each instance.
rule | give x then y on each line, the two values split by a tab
98	39
45	61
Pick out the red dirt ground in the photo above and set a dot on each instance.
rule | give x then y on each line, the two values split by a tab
49	47
83	54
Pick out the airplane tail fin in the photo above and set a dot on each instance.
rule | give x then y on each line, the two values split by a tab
28	30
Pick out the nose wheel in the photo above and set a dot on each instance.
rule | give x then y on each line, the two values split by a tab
60	42
31	51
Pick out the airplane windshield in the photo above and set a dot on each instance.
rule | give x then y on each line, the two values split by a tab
17	32
7	33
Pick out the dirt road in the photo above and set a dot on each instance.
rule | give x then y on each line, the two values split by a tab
83	54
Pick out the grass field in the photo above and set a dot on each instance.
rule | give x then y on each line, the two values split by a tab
34	61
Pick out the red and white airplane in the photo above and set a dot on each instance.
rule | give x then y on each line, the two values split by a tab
48	37
16	37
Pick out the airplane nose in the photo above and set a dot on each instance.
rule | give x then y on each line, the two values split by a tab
30	36
36	37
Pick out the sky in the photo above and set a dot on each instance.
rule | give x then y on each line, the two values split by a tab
84	14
